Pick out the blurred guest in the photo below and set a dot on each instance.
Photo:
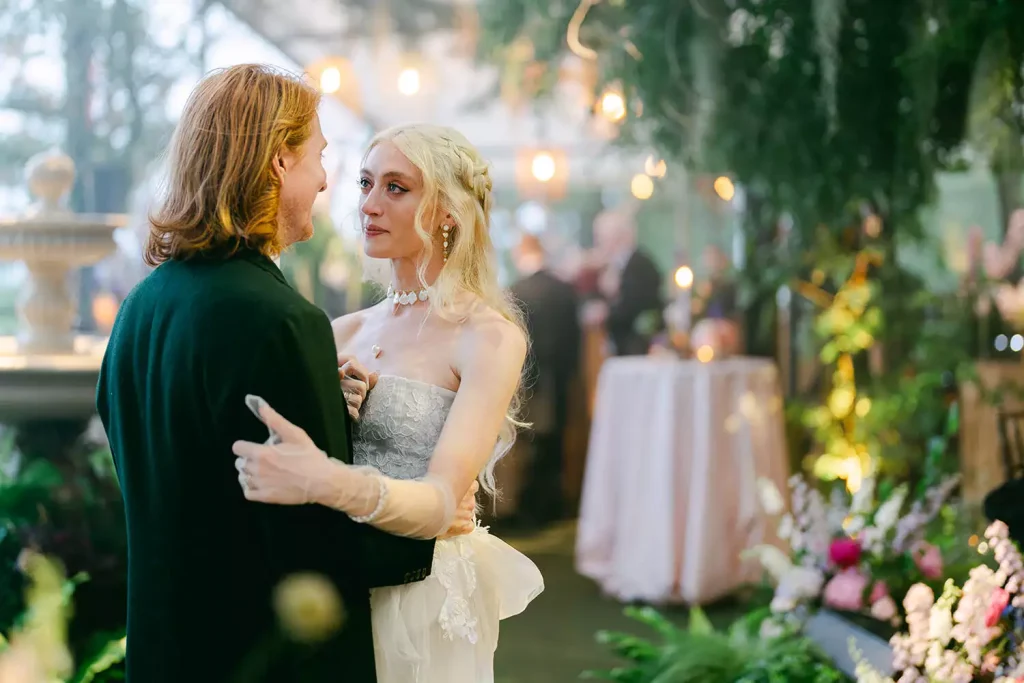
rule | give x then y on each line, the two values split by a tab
550	306
630	285
716	296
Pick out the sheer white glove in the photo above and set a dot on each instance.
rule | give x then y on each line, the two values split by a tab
289	469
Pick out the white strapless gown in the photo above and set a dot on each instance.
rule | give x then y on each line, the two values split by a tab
443	629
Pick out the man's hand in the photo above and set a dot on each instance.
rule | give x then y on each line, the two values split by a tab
356	382
465	515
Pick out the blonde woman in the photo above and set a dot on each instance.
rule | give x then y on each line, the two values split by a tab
439	363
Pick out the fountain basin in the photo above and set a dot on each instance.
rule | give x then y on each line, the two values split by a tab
49	386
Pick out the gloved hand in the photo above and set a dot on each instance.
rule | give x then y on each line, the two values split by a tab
289	469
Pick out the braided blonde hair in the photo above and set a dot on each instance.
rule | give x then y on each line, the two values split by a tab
457	182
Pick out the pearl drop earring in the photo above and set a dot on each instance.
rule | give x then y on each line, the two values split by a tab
444	231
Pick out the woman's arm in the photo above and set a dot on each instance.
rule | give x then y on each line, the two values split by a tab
294	471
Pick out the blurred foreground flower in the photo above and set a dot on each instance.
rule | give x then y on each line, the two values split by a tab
308	607
37	652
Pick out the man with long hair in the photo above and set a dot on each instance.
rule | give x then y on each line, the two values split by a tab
215	321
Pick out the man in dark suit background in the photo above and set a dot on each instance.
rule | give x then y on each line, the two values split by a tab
552	314
630	283
217	320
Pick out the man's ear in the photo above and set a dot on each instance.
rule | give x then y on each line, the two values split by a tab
279	165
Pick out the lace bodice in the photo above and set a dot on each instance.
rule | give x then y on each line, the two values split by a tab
399	425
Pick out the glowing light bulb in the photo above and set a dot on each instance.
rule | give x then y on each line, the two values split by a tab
705	354
684	277
543	167
724	188
613	106
655	168
642	186
409	82
330	80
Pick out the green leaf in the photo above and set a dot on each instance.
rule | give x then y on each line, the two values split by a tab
699	622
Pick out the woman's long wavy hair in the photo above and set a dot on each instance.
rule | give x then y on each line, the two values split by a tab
457	182
221	191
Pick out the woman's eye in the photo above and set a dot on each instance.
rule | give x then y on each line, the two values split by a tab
364	183
392	187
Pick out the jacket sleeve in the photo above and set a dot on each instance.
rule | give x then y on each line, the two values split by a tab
296	372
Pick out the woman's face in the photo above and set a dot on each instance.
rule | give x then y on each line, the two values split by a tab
392	189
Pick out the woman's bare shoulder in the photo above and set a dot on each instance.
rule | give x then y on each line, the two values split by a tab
347	326
488	328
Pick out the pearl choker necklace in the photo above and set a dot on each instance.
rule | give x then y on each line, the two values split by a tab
407	298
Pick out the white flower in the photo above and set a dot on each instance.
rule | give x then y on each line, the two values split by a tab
801	583
919	598
940	624
889	512
774	561
854	524
771	499
782	604
864	499
770	628
786	527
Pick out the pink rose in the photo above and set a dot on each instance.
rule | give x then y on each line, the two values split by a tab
1000	599
844	552
884	609
845	591
928	559
878	591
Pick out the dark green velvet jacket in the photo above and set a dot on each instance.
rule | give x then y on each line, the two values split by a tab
190	341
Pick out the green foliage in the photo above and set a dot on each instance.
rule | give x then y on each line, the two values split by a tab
700	654
68	506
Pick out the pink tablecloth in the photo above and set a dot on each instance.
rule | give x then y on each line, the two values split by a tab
669	496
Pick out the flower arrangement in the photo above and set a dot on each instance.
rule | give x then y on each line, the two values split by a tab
852	554
971	634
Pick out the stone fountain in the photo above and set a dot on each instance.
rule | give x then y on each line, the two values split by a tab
47	372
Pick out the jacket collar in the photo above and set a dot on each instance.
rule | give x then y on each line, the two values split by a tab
243	252
262	262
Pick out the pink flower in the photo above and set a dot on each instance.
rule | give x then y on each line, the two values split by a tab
884	609
878	591
1000	599
845	591
844	552
928	559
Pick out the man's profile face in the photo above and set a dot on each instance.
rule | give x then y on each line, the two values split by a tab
302	177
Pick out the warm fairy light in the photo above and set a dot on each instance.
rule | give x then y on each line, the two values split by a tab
705	354
684	277
409	82
543	167
613	106
642	186
655	168
330	80
724	188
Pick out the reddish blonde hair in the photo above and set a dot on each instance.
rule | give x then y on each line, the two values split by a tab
221	189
